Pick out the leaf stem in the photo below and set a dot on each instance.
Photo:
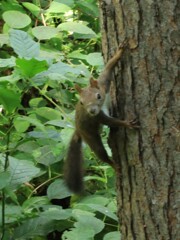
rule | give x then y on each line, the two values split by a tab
6	164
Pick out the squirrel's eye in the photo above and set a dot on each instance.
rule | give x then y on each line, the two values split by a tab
81	102
98	96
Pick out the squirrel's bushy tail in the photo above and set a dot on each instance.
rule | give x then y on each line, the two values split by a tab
74	165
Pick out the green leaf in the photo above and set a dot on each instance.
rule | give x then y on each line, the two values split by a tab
20	124
16	19
4	39
57	7
48	113
8	62
76	28
47	157
9	99
58	190
23	45
44	32
21	171
34	203
34	9
106	211
112	236
89	222
30	68
78	234
95	59
4	179
39	226
57	214
13	213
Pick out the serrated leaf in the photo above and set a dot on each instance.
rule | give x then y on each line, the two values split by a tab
21	171
23	45
30	68
44	32
16	19
76	27
58	190
112	236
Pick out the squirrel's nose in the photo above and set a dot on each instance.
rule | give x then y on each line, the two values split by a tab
92	111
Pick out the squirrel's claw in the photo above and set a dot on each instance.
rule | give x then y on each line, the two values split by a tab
123	44
134	124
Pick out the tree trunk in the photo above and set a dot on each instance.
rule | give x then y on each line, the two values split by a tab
146	87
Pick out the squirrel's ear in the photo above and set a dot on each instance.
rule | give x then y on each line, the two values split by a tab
78	88
93	83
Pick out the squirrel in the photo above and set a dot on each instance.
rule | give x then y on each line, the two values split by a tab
88	119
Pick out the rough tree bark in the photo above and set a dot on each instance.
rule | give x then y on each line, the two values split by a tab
146	86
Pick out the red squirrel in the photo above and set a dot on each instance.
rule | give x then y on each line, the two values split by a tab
88	119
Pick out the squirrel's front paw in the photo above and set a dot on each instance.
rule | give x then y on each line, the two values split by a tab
134	124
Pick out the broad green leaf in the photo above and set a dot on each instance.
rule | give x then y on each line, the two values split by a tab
56	7
16	19
48	113
33	121
28	147
76	27
70	3
58	190
106	211
39	226
4	39
112	236
60	123
4	179
79	234
20	124
96	199
30	68
21	171
34	9
23	45
45	133
89	222
8	62
34	203
47	157
88	8
57	214
44	32
77	54
9	99
13	213
95	59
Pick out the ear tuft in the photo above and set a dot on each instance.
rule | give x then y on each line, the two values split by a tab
78	88
93	83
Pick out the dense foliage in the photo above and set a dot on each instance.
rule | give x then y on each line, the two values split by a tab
46	47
